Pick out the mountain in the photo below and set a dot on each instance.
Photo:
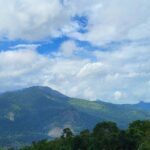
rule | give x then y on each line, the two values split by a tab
143	106
39	112
121	114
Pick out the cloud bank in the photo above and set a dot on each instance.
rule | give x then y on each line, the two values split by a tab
120	73
107	20
120	76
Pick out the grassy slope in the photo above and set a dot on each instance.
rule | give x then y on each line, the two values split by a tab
121	114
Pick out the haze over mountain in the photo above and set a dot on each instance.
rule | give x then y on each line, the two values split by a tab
40	112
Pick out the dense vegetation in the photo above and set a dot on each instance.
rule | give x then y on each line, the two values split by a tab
105	136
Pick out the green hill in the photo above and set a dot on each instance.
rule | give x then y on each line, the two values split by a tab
38	112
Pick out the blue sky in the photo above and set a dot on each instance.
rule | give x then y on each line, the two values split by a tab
97	49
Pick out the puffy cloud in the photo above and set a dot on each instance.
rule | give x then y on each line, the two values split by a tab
118	95
92	69
55	132
33	20
18	66
68	49
114	20
120	76
108	21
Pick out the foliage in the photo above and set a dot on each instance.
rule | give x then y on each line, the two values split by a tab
105	136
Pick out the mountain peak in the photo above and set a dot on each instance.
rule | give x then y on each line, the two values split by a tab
45	90
36	111
39	87
141	102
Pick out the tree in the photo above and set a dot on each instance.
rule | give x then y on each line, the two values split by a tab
67	133
106	136
145	146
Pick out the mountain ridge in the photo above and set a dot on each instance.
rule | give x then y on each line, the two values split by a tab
49	88
37	112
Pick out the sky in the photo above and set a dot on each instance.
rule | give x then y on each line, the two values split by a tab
92	49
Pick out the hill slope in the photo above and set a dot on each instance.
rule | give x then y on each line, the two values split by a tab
39	112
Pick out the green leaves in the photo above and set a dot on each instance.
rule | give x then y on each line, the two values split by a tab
105	136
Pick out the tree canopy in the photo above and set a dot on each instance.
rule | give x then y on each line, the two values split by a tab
104	136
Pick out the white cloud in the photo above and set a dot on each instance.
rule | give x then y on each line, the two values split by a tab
92	69
33	20
120	76
68	49
118	96
114	20
18	66
108	21
55	132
